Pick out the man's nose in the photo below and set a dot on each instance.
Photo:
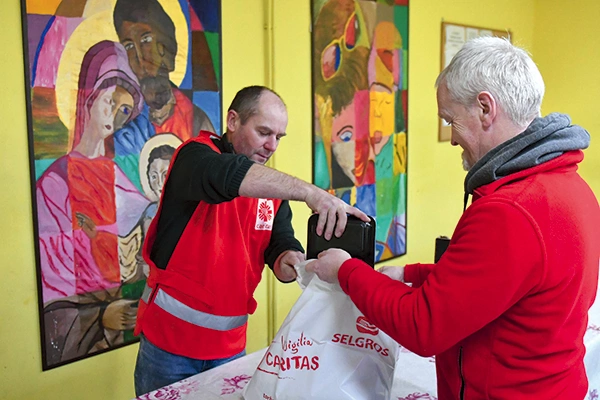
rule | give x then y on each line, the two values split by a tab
271	143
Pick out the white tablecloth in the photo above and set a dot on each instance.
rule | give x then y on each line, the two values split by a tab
414	378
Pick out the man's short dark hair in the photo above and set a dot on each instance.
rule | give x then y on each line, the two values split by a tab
245	102
148	12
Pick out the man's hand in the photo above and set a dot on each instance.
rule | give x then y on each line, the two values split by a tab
396	273
328	264
332	212
284	265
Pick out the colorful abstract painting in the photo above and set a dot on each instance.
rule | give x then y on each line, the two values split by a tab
114	87
360	91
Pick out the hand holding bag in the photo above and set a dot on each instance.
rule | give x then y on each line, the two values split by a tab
325	349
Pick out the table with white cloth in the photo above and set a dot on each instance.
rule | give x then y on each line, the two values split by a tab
414	377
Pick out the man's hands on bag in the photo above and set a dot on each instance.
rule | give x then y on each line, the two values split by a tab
396	273
284	265
328	263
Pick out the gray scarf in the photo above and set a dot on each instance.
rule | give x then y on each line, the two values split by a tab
544	139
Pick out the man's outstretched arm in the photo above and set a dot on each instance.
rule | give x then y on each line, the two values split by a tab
262	181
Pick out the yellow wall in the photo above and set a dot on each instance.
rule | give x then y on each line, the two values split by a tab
567	50
564	40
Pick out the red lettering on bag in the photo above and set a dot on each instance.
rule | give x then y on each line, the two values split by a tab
362	342
364	326
295	362
315	363
305	363
294	345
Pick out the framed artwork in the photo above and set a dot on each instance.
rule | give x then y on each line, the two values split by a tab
113	88
454	36
360	92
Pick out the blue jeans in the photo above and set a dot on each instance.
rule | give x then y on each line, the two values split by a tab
155	368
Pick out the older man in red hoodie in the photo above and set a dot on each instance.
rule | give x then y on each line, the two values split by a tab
505	309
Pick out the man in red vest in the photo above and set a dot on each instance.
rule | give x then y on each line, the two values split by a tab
222	216
505	308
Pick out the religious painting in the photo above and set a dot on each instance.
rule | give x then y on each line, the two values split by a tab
113	88
360	92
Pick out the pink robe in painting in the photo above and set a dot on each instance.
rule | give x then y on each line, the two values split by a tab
72	262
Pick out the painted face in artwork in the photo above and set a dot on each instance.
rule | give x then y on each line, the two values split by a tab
111	109
381	118
340	52
343	143
259	136
384	82
150	60
157	174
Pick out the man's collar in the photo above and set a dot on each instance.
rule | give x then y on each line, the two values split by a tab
224	144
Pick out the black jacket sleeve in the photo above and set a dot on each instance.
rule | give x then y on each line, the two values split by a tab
201	174
282	237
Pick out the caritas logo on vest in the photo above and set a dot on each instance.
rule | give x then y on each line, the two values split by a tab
362	326
265	213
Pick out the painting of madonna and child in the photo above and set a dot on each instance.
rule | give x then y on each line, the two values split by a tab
360	90
114	87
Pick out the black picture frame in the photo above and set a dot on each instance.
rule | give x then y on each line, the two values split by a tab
49	34
372	39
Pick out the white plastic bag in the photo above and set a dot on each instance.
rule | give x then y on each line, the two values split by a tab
325	349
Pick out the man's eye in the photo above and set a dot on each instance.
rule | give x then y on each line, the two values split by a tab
146	39
128	46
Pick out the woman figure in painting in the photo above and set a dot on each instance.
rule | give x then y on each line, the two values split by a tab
85	202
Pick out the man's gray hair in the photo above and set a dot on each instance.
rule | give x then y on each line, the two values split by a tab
494	65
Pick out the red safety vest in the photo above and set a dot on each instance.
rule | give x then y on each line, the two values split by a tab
198	306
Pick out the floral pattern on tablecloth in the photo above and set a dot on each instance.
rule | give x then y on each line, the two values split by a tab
176	391
235	384
418	396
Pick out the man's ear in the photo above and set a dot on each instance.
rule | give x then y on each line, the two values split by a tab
233	121
486	104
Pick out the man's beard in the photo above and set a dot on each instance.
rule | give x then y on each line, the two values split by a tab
466	164
157	91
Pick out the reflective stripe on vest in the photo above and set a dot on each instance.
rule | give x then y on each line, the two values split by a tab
199	318
146	294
